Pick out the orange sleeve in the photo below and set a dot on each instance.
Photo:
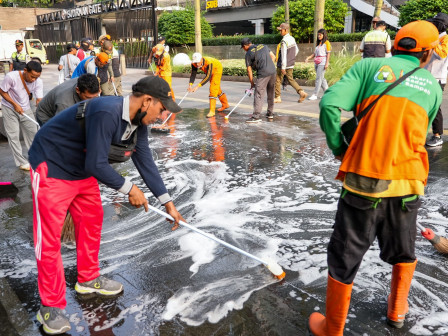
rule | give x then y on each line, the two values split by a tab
442	47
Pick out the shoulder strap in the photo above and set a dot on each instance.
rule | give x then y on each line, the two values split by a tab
87	62
390	87
23	82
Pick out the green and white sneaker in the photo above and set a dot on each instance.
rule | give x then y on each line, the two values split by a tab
100	285
53	320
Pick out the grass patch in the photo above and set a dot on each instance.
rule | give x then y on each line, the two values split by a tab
340	62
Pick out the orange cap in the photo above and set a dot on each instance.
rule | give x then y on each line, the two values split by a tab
158	49
424	33
103	57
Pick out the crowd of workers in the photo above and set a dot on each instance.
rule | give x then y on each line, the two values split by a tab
80	137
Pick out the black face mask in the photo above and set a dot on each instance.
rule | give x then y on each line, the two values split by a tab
137	120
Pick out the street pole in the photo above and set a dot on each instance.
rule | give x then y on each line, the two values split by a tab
197	26
287	11
318	17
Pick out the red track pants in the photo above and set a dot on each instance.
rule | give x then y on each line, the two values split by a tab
51	199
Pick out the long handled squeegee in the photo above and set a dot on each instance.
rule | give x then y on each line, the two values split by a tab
248	93
34	121
160	128
272	266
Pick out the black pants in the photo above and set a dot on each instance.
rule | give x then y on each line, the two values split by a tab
437	124
358	223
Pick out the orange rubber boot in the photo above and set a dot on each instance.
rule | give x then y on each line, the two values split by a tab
212	108
397	302
224	102
338	302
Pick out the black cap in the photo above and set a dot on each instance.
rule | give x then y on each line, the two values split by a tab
70	46
158	88
441	17
245	41
19	42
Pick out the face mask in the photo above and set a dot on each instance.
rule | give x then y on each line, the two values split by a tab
137	120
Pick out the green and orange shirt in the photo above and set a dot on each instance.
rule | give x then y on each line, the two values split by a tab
389	144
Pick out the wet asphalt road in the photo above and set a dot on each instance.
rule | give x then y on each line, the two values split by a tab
267	188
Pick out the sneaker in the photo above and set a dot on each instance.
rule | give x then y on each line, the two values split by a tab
100	285
436	140
313	97
253	120
303	96
277	100
53	320
26	167
270	116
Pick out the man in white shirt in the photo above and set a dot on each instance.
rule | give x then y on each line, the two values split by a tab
286	57
17	89
68	62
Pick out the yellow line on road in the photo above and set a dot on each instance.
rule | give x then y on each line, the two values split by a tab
297	113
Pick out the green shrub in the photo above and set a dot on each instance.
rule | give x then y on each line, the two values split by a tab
340	62
236	40
421	10
178	27
275	38
301	18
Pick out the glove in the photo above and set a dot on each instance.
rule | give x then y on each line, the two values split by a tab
249	92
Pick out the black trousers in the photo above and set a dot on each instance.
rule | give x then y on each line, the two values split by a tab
437	124
359	221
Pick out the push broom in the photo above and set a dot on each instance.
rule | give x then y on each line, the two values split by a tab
439	243
248	93
272	266
166	129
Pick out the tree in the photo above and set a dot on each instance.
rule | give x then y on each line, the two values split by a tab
301	18
178	27
421	10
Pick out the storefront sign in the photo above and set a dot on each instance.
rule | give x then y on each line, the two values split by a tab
95	9
212	4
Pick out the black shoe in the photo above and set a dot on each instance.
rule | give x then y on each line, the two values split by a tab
270	116
436	140
252	120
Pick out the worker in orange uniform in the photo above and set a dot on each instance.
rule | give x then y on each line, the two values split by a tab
213	73
163	65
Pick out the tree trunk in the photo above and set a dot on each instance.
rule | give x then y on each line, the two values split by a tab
287	11
197	26
378	7
319	17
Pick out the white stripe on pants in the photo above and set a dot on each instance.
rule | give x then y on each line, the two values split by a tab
14	123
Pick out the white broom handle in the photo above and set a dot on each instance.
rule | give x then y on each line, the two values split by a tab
245	95
115	88
34	121
186	94
171	113
421	227
168	118
208	235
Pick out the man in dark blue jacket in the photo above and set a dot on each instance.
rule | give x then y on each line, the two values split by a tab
69	154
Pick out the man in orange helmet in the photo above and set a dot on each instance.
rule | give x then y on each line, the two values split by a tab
163	65
213	73
384	170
